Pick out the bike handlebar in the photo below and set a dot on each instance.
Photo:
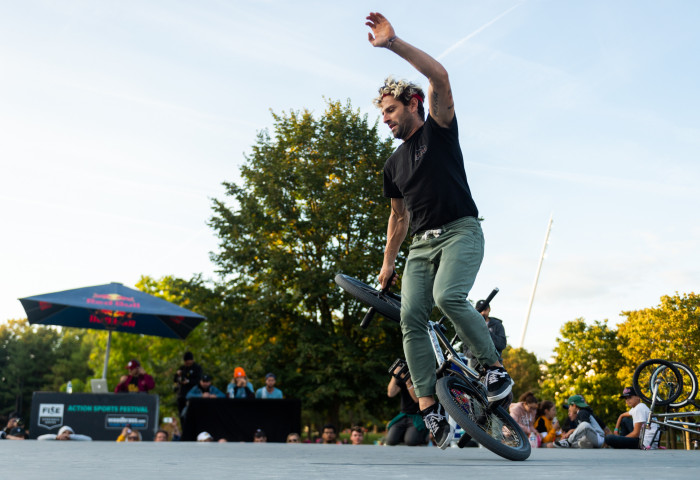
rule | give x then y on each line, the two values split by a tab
372	311
488	300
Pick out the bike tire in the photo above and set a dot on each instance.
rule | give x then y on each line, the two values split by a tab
388	304
493	428
670	378
689	389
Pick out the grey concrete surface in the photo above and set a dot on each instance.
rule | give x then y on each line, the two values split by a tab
97	460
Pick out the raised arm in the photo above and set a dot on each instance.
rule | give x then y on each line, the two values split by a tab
439	91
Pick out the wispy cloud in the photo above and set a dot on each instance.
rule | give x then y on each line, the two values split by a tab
476	32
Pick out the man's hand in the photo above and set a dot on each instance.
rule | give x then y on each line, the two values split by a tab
381	28
388	274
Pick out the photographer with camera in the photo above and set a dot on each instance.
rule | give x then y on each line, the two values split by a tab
407	427
186	377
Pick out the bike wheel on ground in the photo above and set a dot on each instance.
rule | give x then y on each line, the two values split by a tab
690	385
494	428
388	304
658	372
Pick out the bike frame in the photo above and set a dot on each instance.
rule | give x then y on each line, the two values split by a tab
667	419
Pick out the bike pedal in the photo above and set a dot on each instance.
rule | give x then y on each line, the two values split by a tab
464	440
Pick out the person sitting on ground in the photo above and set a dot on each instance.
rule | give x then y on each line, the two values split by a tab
65	433
137	381
629	424
205	437
329	434
205	389
589	431
407	426
269	390
524	412
240	387
546	423
357	435
129	435
162	436
293	438
260	436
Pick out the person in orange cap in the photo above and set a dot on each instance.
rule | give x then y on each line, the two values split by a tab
240	386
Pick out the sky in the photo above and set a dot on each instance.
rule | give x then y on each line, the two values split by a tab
119	121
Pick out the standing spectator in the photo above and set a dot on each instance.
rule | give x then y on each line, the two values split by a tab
589	431
524	412
546	423
495	326
329	434
65	433
136	381
357	435
626	435
186	377
269	390
407	426
205	389
240	387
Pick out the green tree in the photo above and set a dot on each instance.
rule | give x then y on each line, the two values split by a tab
523	366
586	361
670	331
310	205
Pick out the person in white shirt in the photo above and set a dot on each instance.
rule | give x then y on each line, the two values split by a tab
65	433
629	424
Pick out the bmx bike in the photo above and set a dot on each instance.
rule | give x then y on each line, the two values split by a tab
672	385
459	387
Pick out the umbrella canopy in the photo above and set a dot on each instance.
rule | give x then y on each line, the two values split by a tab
112	307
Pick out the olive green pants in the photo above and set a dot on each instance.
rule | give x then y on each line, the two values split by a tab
440	270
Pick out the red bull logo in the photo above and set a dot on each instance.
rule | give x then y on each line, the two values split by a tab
113	300
45	306
113	319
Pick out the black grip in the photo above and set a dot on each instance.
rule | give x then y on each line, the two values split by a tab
488	299
368	317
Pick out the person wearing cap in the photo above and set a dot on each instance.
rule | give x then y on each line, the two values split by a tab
186	377
205	389
426	183
589	431
65	433
137	381
260	436
205	437
240	386
626	435
269	390
495	326
13	430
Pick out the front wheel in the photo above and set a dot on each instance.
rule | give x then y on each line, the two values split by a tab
494	428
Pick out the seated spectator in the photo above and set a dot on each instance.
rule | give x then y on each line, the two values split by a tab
205	437
357	435
329	434
293	438
162	436
524	411
629	424
589	431
260	436
546	423
205	389
171	427
240	387
269	390
137	381
129	435
407	427
13	429
65	433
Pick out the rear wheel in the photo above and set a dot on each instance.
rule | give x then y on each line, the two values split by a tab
494	428
664	375
690	386
388	304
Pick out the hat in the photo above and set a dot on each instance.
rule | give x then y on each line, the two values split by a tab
188	356
481	305
271	375
204	436
577	400
629	392
206	378
65	428
132	364
259	433
239	372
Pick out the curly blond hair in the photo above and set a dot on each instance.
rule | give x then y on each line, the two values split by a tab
403	91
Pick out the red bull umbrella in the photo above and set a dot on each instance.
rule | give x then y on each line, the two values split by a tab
112	307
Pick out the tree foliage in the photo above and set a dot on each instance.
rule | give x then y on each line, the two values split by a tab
309	206
525	368
585	362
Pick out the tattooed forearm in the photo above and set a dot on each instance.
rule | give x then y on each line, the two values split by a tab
434	103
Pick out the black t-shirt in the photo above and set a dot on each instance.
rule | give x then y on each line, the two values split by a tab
408	405
427	171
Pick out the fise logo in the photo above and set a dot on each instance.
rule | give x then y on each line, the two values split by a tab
50	415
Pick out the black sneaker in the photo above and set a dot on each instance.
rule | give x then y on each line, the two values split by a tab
562	444
498	383
436	420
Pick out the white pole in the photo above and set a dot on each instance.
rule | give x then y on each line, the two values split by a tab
537	277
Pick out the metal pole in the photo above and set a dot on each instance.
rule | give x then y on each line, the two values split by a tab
537	277
109	344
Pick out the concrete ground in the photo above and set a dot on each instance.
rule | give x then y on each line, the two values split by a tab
130	461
